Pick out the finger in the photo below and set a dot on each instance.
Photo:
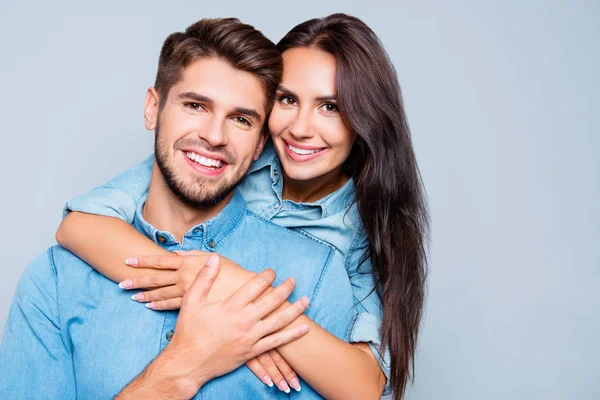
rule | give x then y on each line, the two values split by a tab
163	293
261	373
267	362
253	288
279	339
157	262
281	318
159	279
204	280
288	373
170	304
271	301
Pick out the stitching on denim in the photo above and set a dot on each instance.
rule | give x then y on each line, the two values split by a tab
322	276
54	274
352	249
351	328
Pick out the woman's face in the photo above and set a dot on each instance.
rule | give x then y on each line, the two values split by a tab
306	126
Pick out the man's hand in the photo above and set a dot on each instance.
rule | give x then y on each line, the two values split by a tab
214	338
175	275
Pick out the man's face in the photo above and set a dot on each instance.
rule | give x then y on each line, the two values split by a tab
209	130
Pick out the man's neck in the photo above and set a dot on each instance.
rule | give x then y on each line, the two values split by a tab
166	212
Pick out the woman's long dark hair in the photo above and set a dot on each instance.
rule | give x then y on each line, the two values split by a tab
389	192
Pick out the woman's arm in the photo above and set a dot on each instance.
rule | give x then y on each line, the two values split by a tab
106	244
333	367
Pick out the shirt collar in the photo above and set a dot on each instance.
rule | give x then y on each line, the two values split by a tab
333	203
212	232
338	201
267	157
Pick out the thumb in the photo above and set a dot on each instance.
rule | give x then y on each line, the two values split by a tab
204	280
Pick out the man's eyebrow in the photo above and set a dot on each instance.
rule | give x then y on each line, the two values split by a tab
249	112
194	96
330	97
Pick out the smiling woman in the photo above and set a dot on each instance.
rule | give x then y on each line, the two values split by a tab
307	128
340	169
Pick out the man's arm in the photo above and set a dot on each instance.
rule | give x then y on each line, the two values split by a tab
34	360
213	338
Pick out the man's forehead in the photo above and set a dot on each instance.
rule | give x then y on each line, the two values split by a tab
225	85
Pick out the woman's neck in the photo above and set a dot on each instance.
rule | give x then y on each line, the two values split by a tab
308	191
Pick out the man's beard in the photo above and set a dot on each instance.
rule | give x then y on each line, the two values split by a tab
194	194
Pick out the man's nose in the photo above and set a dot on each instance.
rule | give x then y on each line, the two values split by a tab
214	133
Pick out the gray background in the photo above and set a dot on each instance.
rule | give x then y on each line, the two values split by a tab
502	99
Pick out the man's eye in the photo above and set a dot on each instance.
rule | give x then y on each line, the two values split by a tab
242	121
330	108
287	100
194	106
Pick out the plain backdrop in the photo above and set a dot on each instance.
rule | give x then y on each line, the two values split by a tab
502	100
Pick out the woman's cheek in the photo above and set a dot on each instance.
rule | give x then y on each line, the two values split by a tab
279	120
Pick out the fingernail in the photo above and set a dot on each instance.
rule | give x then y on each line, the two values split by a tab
295	383
137	297
303	328
132	261
151	305
126	284
212	262
284	386
293	281
305	301
267	380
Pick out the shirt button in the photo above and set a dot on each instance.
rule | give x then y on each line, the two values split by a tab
278	206
170	335
212	244
275	172
162	239
196	230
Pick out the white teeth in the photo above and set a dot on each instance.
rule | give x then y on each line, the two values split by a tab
302	152
207	162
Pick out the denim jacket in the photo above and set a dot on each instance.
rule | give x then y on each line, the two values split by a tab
333	219
72	333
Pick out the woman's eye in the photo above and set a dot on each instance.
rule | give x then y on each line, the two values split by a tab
194	106
287	101
330	107
242	121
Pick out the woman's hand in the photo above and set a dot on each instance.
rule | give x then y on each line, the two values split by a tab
165	288
176	273
271	367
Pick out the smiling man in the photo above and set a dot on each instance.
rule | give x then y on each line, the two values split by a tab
73	333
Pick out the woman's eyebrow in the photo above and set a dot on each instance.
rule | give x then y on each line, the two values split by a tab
285	90
330	97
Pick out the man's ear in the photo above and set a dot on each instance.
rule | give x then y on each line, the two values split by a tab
151	105
261	142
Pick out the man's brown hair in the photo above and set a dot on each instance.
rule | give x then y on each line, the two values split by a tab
228	39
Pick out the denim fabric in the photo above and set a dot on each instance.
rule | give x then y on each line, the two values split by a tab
72	333
333	219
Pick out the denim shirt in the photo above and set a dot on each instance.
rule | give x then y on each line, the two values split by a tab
333	219
72	333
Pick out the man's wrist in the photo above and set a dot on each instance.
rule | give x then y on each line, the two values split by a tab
169	376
